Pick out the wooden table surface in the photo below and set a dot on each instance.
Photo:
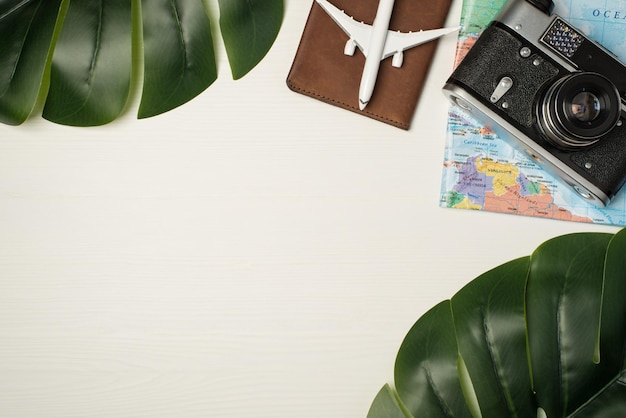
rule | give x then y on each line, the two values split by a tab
254	253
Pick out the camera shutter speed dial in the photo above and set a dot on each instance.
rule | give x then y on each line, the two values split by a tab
546	6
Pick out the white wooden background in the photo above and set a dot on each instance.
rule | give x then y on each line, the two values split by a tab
255	253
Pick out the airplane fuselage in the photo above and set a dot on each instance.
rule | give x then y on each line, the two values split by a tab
377	45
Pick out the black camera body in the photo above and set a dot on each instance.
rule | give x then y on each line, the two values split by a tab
533	77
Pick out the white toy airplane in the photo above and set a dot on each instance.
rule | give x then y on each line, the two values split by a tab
377	42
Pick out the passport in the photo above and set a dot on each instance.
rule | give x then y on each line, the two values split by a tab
321	70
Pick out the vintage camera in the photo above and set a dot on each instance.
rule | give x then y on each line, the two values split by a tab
533	77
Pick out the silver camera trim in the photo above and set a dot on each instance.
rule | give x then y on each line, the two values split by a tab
536	24
581	186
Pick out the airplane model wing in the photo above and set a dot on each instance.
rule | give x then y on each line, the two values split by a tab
401	41
359	32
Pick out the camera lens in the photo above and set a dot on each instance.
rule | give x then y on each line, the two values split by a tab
578	110
586	106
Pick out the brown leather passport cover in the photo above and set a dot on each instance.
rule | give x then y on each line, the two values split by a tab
321	70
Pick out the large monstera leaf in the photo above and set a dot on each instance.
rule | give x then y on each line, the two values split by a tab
540	336
80	57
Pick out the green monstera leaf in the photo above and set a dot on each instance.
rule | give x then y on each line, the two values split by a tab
540	336
80	58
